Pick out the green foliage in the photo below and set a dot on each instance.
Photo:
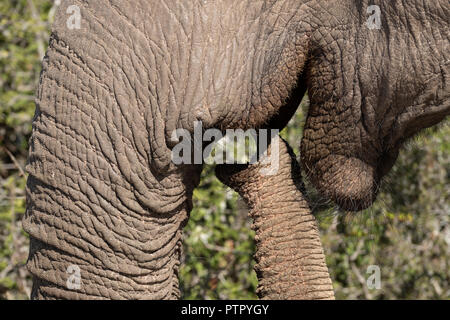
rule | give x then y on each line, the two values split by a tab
406	233
23	38
218	245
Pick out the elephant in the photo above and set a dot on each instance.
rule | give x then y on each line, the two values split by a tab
106	205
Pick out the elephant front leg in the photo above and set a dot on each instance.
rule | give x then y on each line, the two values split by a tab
97	251
105	221
290	262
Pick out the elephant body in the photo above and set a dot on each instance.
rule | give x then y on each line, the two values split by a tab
103	193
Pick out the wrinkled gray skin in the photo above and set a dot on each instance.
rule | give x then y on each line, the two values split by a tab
103	193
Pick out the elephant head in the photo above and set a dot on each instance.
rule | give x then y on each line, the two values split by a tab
105	203
371	88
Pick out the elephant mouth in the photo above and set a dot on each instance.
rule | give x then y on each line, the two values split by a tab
349	182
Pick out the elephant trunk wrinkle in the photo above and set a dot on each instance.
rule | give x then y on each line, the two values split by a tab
290	261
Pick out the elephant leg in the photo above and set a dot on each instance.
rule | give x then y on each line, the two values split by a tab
84	249
105	221
290	262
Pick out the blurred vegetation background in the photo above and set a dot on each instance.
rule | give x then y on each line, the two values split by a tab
406	233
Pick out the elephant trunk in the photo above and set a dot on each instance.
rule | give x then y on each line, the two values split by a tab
290	262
